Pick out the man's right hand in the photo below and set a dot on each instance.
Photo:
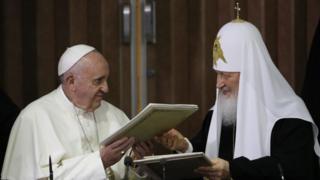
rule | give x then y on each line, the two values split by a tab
219	170
173	140
112	153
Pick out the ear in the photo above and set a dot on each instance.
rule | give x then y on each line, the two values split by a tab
71	82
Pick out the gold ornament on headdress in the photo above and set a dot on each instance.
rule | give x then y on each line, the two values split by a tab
237	9
217	52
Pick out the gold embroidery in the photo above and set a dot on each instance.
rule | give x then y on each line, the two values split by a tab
110	174
217	52
60	163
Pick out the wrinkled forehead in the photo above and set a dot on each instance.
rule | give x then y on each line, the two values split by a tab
94	61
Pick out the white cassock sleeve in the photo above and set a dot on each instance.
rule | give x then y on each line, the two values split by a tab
31	142
87	166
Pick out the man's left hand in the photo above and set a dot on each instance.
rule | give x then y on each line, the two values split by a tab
219	170
142	149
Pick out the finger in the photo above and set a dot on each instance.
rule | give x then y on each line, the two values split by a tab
174	144
143	146
124	146
217	161
171	144
132	140
206	169
136	153
171	132
150	144
129	144
138	149
147	148
175	133
118	142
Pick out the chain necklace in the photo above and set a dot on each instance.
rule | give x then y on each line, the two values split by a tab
110	172
84	132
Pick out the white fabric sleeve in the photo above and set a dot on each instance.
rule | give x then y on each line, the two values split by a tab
88	166
190	147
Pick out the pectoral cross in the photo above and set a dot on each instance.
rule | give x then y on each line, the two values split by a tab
237	8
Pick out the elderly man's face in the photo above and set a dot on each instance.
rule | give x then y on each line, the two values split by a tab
91	83
228	83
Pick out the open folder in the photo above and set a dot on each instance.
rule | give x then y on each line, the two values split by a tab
174	166
152	120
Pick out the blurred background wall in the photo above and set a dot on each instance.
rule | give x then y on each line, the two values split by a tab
35	33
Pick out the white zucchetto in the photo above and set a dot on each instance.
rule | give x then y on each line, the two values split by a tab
71	56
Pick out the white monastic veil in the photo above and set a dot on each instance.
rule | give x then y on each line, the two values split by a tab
264	95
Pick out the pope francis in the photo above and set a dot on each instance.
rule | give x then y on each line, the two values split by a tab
68	124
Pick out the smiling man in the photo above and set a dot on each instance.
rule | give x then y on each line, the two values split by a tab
68	124
258	128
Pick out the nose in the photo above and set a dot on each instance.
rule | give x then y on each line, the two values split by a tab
105	87
220	81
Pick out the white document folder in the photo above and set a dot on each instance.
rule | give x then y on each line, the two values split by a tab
153	120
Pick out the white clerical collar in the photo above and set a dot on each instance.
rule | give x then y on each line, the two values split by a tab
80	111
69	104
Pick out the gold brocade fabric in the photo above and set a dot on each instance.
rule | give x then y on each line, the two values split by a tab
110	174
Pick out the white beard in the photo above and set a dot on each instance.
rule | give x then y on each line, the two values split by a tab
228	106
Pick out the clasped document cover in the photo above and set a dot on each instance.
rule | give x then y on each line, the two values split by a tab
175	166
153	119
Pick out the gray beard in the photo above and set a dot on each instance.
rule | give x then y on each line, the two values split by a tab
228	108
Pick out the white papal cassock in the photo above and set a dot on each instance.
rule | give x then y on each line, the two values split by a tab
50	126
